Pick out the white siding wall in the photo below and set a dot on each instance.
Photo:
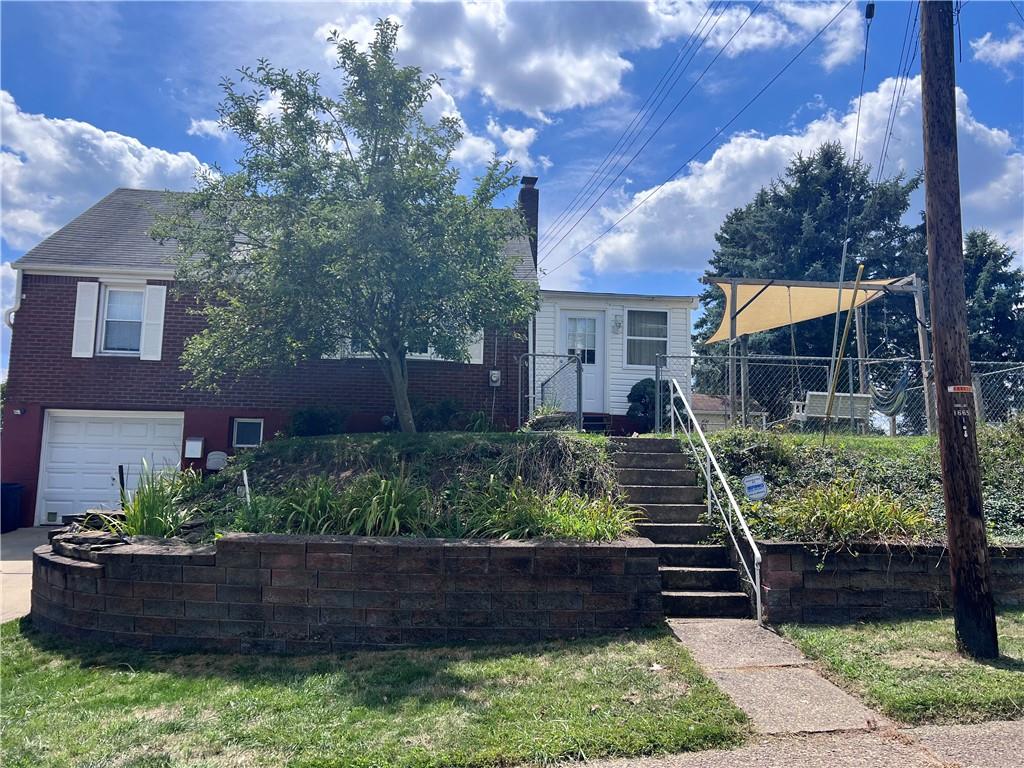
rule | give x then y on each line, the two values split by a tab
619	378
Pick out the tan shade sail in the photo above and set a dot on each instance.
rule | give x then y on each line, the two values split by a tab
774	306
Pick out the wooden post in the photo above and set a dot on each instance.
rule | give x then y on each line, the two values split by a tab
744	381
969	564
862	352
922	345
732	353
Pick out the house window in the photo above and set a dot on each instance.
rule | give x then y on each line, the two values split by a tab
247	433
122	320
646	336
581	338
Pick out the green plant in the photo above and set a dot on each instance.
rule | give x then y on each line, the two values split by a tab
382	506
316	421
838	513
642	406
157	505
313	506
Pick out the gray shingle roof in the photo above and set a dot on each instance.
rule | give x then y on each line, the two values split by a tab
114	234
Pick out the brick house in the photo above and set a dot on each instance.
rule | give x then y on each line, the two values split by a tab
95	382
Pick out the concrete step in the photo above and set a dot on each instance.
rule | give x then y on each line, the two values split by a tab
646	444
673	513
694	555
675	533
664	494
694	603
699	579
656	476
637	460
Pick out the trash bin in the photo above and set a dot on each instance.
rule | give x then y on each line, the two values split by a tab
10	506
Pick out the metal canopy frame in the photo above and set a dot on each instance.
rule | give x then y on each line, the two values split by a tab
911	284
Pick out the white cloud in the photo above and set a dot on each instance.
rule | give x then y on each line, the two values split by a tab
517	143
541	58
206	127
52	169
675	230
1001	53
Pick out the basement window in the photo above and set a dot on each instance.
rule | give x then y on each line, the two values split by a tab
247	433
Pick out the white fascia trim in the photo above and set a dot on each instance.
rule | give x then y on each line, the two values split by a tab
104	273
682	301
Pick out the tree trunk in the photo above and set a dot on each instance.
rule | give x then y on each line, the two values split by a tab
398	377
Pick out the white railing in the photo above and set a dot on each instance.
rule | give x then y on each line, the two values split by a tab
730	512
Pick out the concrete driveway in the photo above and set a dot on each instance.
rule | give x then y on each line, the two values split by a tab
16	570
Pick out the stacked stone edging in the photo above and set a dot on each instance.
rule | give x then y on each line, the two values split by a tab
871	582
298	594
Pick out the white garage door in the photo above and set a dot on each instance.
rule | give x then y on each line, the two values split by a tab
82	450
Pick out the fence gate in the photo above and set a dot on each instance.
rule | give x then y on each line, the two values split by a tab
550	391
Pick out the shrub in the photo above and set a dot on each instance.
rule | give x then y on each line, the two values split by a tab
642	403
157	506
838	513
313	422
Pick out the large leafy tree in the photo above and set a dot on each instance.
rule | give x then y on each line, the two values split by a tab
341	226
794	229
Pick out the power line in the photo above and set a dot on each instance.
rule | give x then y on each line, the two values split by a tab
640	120
659	127
706	35
709	142
894	103
869	14
566	212
1017	9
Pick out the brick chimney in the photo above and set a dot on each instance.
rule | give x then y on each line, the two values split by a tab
529	202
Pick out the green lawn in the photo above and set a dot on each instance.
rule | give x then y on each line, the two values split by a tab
910	669
64	705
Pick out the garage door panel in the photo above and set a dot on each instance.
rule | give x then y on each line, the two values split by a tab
82	451
167	432
61	430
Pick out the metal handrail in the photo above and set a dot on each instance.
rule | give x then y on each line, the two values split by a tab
711	469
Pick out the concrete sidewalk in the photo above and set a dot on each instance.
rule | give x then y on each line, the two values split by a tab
986	745
16	570
770	680
802	720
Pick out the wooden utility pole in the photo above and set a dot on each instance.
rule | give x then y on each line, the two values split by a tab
969	565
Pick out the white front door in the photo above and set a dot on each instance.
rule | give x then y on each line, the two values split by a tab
583	335
82	450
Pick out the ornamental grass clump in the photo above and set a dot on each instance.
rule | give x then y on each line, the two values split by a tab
838	513
157	506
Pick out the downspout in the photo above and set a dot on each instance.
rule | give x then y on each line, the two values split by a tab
9	313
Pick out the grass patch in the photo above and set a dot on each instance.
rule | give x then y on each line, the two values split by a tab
67	705
910	669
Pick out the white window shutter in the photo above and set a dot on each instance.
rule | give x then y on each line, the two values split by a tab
153	322
476	349
83	340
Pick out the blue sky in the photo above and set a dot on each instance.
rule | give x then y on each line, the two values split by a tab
96	96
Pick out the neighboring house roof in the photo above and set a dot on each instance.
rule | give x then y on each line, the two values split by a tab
715	404
673	299
113	235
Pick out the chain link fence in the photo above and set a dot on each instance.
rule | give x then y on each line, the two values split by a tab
872	396
550	391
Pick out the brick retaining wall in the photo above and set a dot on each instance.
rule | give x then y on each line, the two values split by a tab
299	594
871	583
